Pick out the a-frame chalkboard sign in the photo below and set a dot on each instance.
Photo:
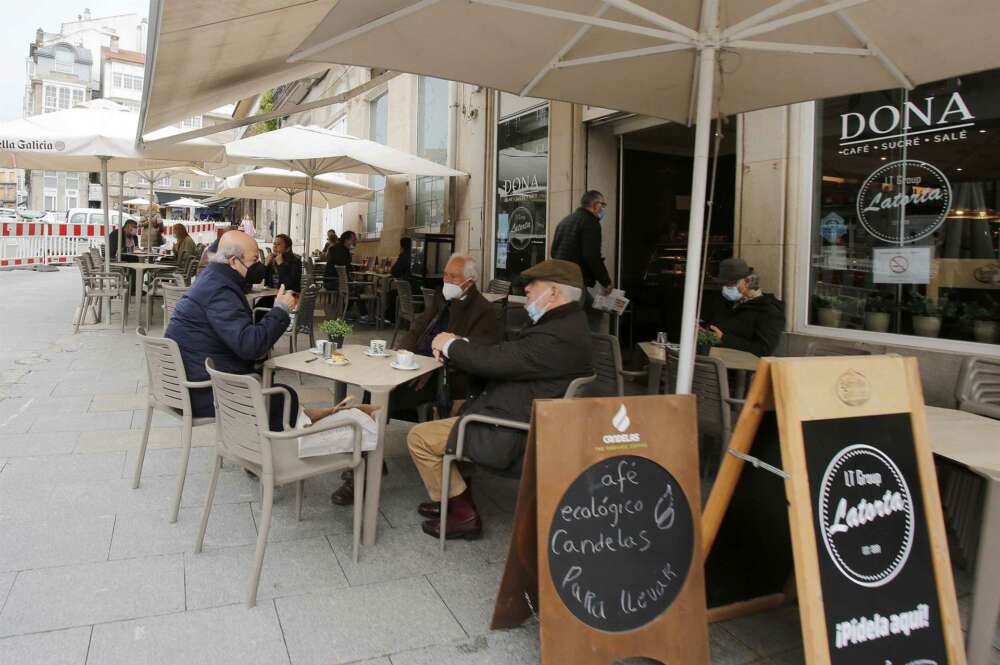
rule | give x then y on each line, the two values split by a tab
606	544
861	505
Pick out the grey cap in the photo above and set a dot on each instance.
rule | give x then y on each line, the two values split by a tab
732	270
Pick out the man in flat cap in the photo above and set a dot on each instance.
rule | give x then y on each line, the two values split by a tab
740	315
539	364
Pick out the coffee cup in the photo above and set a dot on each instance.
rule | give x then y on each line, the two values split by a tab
405	358
376	347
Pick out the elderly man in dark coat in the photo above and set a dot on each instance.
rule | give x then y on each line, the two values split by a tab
213	320
539	364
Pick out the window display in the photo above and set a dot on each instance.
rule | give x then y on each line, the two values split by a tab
905	235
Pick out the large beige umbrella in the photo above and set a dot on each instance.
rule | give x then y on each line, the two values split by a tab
682	60
316	150
271	184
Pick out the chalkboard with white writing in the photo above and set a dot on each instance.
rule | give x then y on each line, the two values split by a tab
880	596
621	542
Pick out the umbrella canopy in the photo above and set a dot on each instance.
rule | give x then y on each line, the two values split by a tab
661	58
317	150
184	203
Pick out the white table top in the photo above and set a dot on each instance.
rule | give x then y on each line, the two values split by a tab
966	438
362	371
261	293
494	297
731	358
141	266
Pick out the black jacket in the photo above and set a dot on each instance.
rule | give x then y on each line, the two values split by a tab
472	317
339	255
213	320
538	365
578	239
754	325
288	273
401	267
113	244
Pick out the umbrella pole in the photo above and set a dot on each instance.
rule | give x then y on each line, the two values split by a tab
309	210
121	213
699	181
290	196
105	196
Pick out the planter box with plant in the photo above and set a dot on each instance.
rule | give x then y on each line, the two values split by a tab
982	320
927	314
336	330
879	308
828	310
706	340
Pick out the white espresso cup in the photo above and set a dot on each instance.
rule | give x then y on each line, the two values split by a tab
404	358
376	347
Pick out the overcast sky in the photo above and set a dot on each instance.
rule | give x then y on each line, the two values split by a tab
22	18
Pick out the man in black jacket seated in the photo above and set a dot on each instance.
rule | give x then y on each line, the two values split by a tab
213	320
539	364
740	315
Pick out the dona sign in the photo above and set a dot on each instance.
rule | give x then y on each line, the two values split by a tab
931	114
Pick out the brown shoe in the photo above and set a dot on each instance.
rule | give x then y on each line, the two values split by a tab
344	495
470	528
430	509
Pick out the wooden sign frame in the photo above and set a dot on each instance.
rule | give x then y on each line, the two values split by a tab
831	390
567	437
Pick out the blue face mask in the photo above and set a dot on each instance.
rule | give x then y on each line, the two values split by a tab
534	311
601	214
731	293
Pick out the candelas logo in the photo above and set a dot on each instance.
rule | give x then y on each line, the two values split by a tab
865	515
621	422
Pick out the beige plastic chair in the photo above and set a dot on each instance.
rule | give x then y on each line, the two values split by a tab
978	388
167	391
572	390
172	293
243	436
607	357
98	285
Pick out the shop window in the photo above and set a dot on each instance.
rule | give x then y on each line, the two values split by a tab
432	144
50	202
378	131
905	237
522	168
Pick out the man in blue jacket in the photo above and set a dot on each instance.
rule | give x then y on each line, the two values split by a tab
214	320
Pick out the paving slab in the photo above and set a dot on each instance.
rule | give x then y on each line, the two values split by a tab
170	437
221	576
148	533
54	541
6	581
59	647
85	422
117	402
167	461
319	516
66	468
160	420
53	598
503	647
231	635
470	594
34	444
365	622
768	633
726	649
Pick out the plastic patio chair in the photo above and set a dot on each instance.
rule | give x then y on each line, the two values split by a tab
167	391
405	307
172	293
243	436
98	285
607	357
572	390
302	318
978	387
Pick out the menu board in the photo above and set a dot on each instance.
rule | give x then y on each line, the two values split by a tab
879	586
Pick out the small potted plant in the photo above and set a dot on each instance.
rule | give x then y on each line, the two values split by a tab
336	330
927	314
706	340
828	310
983	321
878	312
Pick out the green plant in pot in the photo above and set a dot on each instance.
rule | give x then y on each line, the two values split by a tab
878	312
336	330
706	340
983	321
927	314
828	310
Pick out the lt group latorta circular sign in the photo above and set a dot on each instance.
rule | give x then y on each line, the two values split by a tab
522	224
865	514
904	201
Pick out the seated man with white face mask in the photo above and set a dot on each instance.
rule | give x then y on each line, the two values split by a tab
539	364
458	308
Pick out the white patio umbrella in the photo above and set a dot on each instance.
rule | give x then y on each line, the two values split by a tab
185	202
270	184
137	202
317	150
663	58
98	135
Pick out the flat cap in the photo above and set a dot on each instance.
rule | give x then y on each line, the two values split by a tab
554	270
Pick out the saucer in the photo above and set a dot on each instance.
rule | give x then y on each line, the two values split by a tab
376	355
329	361
404	368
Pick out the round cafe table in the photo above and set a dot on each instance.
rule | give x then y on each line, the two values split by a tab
140	270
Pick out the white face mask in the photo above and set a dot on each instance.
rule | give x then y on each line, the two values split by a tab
731	293
451	291
534	310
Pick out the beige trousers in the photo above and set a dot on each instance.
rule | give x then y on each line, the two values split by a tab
427	442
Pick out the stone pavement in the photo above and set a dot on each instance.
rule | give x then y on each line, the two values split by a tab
91	572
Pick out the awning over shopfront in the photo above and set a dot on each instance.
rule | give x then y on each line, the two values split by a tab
203	55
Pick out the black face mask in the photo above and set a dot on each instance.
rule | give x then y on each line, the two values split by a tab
255	274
